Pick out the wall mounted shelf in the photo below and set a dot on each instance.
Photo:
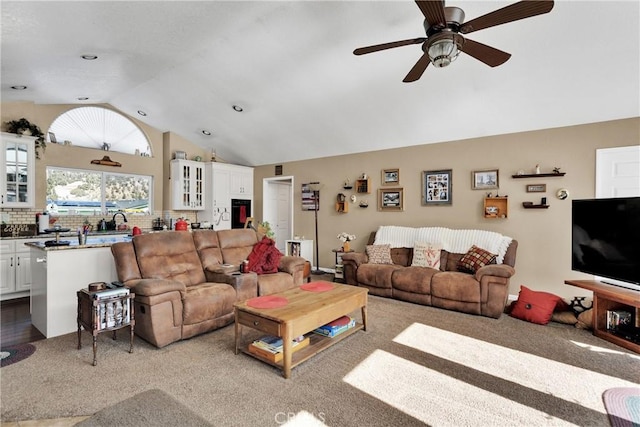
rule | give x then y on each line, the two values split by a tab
529	205
539	175
363	185
496	207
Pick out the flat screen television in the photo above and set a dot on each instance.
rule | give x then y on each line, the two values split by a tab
605	239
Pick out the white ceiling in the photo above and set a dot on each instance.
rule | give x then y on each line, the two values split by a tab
290	65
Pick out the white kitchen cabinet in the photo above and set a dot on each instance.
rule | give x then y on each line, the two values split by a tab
188	185
241	180
15	268
225	182
17	171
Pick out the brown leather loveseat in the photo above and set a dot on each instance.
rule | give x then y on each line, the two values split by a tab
187	282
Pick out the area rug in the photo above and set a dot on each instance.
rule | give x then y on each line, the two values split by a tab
15	353
150	408
623	406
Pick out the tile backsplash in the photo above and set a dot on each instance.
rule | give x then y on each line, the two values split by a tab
28	216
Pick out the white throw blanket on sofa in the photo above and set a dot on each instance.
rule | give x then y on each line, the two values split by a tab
456	241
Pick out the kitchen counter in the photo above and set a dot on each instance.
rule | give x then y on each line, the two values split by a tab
58	272
93	241
69	234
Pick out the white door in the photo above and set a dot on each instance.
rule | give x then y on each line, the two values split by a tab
283	207
618	172
277	208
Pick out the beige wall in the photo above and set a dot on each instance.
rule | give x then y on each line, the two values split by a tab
543	261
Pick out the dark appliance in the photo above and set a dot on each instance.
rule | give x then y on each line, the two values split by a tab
240	211
605	239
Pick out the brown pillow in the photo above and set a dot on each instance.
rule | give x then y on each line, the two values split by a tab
474	259
379	254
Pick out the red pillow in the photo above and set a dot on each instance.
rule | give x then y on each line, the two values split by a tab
534	306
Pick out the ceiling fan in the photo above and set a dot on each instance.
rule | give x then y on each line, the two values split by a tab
444	27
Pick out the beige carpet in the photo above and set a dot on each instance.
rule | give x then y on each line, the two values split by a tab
415	365
147	409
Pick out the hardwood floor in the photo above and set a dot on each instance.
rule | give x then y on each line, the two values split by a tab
15	324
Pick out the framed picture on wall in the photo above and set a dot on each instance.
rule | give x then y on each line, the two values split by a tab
436	187
390	199
485	179
390	176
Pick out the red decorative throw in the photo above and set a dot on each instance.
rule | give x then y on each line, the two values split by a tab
265	257
317	286
267	301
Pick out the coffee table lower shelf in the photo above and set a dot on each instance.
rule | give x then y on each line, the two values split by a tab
317	343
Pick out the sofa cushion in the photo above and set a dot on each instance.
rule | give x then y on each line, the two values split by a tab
534	306
207	301
426	255
376	275
474	259
413	279
456	286
379	254
169	256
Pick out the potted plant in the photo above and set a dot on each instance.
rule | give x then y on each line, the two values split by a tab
24	127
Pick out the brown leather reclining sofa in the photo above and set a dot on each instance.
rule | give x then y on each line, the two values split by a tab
185	283
484	292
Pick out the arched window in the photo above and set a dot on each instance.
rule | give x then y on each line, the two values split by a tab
101	128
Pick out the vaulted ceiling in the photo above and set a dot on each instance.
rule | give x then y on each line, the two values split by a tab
289	65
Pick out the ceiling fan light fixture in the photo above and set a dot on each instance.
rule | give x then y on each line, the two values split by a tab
444	49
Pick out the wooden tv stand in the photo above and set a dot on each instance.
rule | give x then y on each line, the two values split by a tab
610	297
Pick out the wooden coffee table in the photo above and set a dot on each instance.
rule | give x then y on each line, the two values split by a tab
304	312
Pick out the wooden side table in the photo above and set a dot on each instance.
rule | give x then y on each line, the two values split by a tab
103	311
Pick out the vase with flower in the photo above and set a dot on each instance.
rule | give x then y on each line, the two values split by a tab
346	238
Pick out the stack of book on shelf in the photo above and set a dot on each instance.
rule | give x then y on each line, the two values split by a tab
271	347
336	327
617	319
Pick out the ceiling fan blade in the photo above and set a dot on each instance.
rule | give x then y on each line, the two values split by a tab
433	11
418	69
378	47
513	12
487	54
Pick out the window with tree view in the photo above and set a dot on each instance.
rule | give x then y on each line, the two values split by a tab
83	192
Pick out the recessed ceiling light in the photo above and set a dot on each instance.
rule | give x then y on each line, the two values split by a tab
238	108
142	113
206	132
89	57
19	87
83	98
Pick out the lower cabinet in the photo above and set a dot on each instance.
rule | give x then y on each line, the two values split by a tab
15	268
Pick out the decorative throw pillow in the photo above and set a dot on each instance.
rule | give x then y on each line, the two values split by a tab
534	306
426	255
379	254
474	259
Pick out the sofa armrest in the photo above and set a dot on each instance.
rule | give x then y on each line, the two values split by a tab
151	287
497	270
355	258
291	264
245	284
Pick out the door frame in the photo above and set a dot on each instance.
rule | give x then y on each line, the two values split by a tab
267	184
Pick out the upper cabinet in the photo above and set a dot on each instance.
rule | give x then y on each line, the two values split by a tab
17	160
188	185
241	178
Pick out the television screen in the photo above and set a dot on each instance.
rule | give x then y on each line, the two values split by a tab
606	238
